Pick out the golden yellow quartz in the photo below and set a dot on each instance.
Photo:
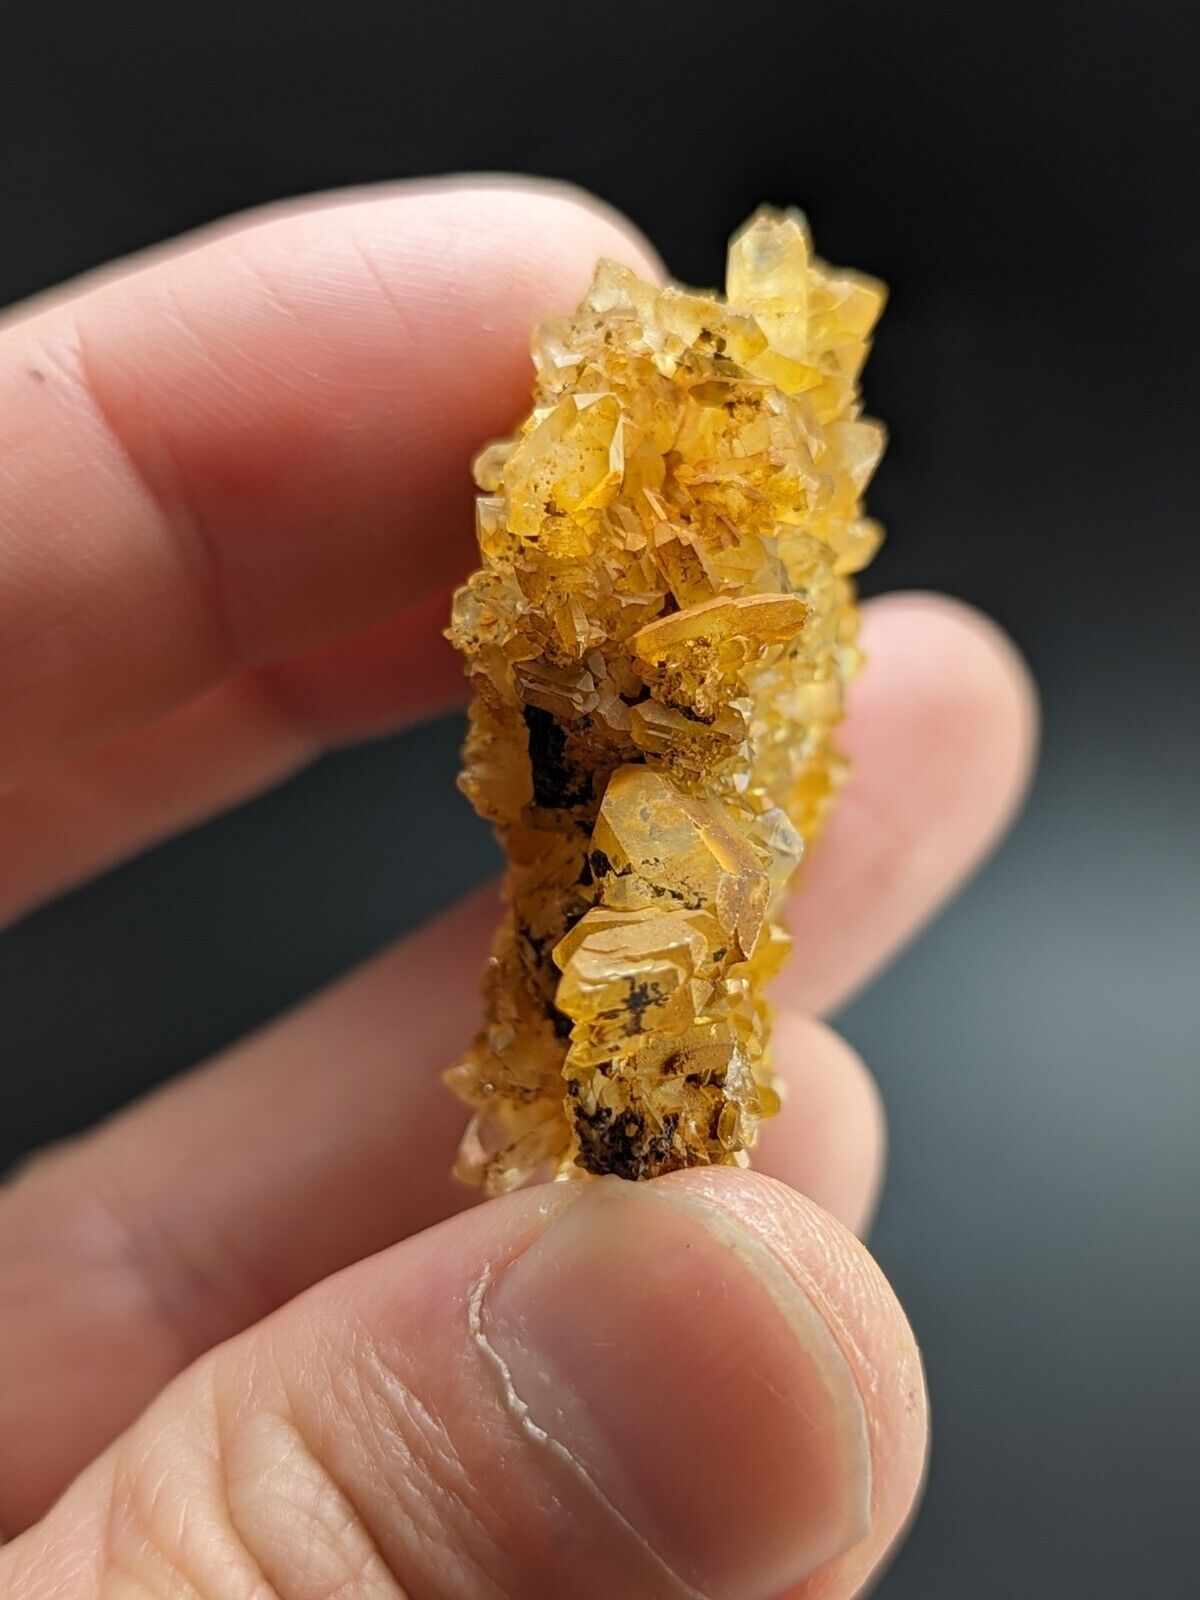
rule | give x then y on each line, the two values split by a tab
657	638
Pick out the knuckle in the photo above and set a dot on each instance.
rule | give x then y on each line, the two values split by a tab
167	1535
220	1498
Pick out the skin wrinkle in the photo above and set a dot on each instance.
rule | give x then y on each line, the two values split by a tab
359	1576
299	384
72	1568
146	1564
164	486
60	356
425	1545
401	1509
201	1546
104	1524
172	489
242	249
402	1399
220	1507
394	301
99	781
94	1245
266	689
174	1285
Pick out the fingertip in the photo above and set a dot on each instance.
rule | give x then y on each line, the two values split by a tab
941	731
261	442
858	1306
481	259
947	652
830	1139
587	220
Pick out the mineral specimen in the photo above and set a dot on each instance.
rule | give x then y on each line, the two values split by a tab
658	638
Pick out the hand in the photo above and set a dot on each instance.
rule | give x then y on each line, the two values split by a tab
233	497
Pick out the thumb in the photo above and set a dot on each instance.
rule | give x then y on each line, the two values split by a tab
699	1387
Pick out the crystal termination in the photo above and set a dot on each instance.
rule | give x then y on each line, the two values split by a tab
658	639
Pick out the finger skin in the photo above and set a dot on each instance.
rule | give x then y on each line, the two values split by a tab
244	736
247	451
830	1140
291	206
696	1387
126	1254
941	731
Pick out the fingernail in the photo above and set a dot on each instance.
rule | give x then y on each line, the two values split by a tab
659	1351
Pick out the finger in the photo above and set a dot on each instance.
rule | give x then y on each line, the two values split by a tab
258	446
941	733
700	1386
127	1253
225	227
246	735
830	1140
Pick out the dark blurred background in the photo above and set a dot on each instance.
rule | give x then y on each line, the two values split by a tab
1025	177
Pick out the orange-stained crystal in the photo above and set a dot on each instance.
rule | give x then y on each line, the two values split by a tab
658	638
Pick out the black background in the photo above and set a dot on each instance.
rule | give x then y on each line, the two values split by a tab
1025	178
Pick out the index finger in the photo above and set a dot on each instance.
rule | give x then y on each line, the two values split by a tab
259	445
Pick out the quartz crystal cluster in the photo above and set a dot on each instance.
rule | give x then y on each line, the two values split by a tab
658	638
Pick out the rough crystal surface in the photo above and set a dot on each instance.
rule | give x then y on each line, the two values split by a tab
658	637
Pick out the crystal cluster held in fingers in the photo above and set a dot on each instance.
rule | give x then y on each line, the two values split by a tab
658	638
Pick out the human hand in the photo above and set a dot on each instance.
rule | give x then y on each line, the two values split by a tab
233	498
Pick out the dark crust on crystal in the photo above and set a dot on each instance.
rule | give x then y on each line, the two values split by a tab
624	1145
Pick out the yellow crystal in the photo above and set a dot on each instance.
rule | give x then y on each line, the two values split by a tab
658	638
